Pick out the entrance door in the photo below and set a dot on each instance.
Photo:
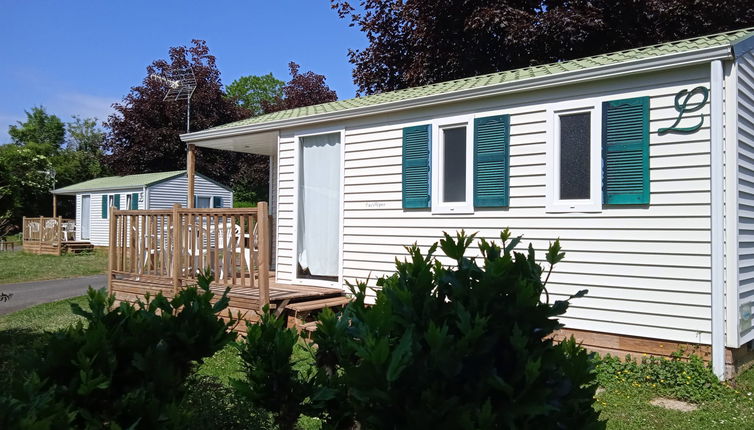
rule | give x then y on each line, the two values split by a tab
86	205
319	207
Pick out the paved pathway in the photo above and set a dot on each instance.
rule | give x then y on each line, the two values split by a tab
26	294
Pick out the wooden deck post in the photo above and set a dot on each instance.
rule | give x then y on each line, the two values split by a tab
112	251
54	206
190	172
264	253
177	247
59	233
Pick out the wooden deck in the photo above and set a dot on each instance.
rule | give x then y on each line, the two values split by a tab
161	251
51	235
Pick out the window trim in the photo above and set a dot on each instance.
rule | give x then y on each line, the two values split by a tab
438	206
553	202
202	196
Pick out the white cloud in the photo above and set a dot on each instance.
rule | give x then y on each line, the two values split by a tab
65	105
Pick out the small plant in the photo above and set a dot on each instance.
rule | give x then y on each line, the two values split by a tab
125	367
685	377
465	346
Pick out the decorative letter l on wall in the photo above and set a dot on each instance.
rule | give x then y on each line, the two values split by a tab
684	105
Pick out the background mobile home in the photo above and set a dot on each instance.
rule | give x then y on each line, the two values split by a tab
143	191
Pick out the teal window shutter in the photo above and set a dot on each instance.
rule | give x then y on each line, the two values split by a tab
417	148
135	201
104	206
491	161
625	151
116	201
217	202
196	201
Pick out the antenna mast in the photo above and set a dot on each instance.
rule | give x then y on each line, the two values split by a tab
181	85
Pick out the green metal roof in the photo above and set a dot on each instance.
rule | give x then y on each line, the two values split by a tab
687	45
119	182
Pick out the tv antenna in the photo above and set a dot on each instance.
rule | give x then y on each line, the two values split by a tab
181	84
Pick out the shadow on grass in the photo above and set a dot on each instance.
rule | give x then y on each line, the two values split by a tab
17	345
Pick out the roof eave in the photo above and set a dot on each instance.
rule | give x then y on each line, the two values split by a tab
682	59
64	192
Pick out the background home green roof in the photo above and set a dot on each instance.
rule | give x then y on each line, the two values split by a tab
119	182
696	43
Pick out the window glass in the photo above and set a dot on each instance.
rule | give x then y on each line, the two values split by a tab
454	164
574	156
203	202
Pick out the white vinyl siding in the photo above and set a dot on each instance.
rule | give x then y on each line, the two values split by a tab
165	194
98	228
745	186
647	273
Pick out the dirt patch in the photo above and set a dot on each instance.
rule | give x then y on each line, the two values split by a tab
673	404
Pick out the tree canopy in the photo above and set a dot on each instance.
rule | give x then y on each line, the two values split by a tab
426	41
45	131
143	133
251	92
303	89
46	153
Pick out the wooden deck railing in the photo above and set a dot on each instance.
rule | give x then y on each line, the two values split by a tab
46	234
172	246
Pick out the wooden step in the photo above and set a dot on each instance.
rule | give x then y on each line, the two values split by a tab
312	305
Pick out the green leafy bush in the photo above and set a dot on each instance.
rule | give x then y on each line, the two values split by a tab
124	367
680	376
465	346
272	380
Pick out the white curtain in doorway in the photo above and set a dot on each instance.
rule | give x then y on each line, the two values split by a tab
319	204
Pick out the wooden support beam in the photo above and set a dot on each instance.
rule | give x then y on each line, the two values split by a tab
54	206
112	251
191	172
177	248
263	231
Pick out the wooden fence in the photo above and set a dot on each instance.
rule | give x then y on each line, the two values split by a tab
45	235
170	247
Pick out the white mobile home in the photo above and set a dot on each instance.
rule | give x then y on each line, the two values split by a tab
640	161
143	191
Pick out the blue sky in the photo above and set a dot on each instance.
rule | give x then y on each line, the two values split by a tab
79	57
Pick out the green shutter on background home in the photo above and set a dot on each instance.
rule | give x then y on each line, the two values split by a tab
104	206
491	161
116	201
416	166
217	201
625	151
134	201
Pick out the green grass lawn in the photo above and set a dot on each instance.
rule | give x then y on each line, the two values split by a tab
625	406
22	267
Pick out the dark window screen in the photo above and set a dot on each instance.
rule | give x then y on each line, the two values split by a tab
574	156
454	167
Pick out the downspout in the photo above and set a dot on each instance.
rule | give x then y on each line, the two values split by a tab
717	219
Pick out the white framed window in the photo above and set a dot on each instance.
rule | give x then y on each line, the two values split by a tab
574	157
453	163
203	202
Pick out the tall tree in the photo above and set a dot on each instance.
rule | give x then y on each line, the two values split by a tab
426	41
25	182
143	133
303	89
84	135
250	92
42	130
